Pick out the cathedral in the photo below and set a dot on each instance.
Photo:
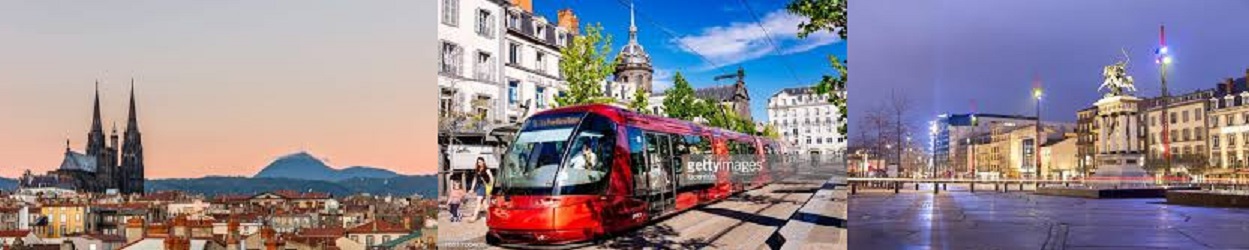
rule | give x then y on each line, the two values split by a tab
105	165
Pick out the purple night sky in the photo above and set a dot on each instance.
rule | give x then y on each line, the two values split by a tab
944	54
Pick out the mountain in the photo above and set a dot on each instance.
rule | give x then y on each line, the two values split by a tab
305	166
424	185
8	184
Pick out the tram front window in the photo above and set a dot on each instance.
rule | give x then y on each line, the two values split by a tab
559	154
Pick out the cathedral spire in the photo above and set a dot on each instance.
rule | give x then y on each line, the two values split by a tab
95	118
133	122
95	138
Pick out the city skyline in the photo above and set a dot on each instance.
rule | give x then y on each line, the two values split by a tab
222	89
984	56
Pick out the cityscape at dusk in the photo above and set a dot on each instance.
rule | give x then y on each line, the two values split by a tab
222	89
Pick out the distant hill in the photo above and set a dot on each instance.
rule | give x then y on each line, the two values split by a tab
305	166
424	185
11	184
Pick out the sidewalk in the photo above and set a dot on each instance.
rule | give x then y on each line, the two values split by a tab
820	223
463	234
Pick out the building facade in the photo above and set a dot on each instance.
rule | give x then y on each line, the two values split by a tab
1228	119
806	120
1181	133
1086	132
954	141
532	46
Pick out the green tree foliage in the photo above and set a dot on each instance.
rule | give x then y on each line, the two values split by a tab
828	15
679	100
585	66
771	132
834	86
640	101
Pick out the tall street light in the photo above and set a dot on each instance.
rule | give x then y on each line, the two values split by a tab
1037	92
1163	59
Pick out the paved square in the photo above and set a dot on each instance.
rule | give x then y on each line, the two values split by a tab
958	219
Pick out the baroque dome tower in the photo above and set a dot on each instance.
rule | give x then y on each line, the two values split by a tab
633	65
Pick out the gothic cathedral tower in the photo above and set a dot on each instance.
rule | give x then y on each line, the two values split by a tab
131	176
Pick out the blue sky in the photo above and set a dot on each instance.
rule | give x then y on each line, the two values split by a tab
944	54
724	32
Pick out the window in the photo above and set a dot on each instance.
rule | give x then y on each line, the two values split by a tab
1173	116
513	53
451	12
1229	120
541	61
481	103
485	23
1231	140
1214	121
370	240
1214	142
513	20
540	96
541	30
485	66
450	63
1185	116
513	91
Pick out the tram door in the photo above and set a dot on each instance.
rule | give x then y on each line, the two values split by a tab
659	178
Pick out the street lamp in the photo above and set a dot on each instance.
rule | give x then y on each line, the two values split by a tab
1162	57
1037	93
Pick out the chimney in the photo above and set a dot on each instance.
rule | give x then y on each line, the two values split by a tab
526	5
568	21
1231	85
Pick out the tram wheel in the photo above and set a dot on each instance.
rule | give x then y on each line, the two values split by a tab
491	239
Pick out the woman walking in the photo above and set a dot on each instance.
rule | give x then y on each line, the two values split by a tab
482	175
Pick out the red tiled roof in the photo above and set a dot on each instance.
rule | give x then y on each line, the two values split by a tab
14	233
328	232
378	226
231	198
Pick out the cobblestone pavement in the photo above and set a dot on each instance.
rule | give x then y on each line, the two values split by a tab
1020	220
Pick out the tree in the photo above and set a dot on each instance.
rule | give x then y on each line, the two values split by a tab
585	66
834	87
770	131
679	100
822	15
830	16
640	101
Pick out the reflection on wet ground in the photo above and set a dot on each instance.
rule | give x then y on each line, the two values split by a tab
880	219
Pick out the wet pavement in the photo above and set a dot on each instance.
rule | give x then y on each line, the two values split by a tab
959	219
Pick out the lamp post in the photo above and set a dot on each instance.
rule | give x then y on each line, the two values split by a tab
1163	59
1037	92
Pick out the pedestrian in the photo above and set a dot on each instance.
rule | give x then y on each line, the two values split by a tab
482	175
456	197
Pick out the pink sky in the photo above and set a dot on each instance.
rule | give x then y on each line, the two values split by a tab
223	89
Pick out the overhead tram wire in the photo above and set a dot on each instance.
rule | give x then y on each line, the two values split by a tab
674	36
768	35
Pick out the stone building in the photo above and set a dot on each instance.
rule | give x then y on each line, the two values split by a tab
1184	136
806	120
104	166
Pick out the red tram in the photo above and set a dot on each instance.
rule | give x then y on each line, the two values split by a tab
576	173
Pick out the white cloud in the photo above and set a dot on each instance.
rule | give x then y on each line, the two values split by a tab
661	80
744	41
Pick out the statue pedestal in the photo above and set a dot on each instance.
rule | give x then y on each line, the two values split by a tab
1120	170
